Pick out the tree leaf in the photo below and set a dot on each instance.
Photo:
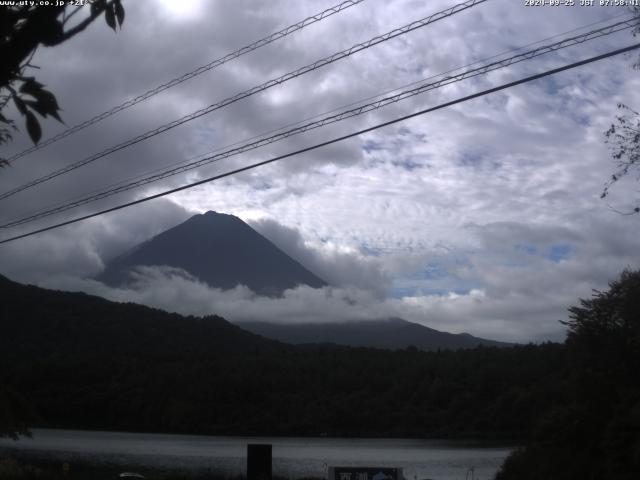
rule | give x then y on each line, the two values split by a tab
47	100
22	108
37	107
33	127
110	17
55	115
30	85
119	9
51	33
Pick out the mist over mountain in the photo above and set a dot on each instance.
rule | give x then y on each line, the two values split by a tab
220	250
39	322
223	252
392	333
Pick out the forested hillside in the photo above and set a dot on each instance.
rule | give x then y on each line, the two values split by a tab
85	362
337	391
36	323
592	429
82	362
390	333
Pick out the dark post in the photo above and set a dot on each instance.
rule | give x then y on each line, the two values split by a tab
258	462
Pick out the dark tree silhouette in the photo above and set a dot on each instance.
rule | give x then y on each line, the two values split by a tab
15	414
624	139
593	430
23	28
611	316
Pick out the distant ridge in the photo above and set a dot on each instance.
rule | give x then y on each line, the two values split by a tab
220	250
38	322
392	333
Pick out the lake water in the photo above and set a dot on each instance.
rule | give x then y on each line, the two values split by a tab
292	457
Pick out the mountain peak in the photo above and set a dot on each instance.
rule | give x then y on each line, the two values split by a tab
213	215
218	249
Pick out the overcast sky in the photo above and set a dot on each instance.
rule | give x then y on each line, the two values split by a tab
484	217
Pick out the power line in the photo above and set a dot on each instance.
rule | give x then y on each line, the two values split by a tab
147	177
252	91
381	103
329	142
357	102
189	75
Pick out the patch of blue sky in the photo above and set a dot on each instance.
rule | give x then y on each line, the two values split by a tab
435	279
371	251
406	289
417	291
432	271
559	252
556	253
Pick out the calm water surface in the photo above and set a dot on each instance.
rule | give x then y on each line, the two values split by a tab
292	457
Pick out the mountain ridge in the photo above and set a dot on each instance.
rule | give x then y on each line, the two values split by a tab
391	333
88	324
42	322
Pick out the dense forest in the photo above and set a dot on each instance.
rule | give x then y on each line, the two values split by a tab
83	362
337	391
593	430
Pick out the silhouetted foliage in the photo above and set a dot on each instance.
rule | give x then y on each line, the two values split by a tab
23	28
623	136
15	413
594	432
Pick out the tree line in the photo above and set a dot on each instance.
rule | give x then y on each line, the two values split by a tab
82	362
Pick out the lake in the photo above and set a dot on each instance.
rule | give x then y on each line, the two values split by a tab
292	457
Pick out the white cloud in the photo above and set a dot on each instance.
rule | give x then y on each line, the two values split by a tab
454	215
174	290
338	266
81	250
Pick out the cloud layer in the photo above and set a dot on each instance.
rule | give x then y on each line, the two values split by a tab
484	217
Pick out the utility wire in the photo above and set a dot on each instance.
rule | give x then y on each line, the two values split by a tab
119	183
351	104
189	75
271	83
381	103
330	142
81	198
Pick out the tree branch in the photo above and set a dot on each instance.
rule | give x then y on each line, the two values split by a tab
85	23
